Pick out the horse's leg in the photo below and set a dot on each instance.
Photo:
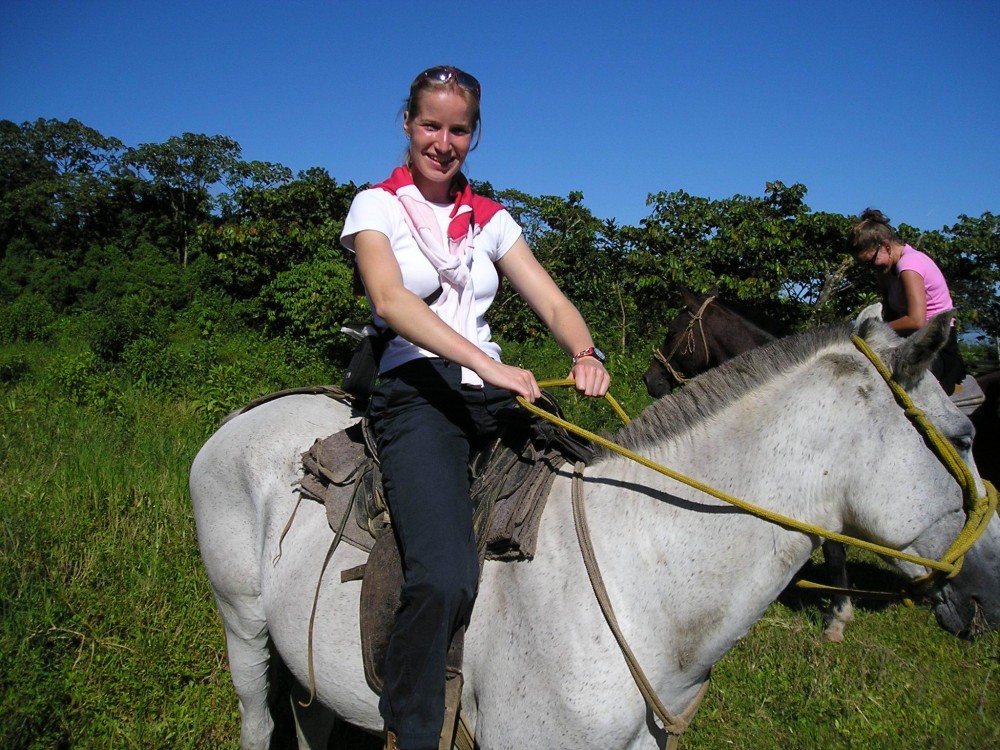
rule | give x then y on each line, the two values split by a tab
840	611
247	646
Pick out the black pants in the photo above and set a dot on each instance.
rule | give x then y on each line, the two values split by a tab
948	366
426	425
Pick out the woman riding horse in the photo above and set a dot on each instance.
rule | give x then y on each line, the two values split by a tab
428	251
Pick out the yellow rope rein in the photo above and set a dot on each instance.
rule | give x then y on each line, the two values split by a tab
979	509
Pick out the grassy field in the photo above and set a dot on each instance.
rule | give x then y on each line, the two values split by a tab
109	637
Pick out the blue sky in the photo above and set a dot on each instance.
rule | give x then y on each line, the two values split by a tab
892	105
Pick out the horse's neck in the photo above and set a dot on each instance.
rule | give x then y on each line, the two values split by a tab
686	569
736	335
711	570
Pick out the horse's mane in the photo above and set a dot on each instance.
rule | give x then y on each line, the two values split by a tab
750	316
710	392
754	319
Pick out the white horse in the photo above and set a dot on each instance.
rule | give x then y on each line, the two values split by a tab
805	427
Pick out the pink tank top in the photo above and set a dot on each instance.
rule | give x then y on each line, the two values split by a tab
936	288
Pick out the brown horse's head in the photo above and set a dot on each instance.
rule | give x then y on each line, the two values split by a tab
703	335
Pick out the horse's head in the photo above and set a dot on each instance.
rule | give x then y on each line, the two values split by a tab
969	602
835	436
684	352
704	334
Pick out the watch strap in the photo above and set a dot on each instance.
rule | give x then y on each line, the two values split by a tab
590	351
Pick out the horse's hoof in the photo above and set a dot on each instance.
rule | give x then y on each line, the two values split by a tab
834	633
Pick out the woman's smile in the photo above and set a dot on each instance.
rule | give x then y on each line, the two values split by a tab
440	139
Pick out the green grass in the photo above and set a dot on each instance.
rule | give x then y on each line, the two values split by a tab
109	637
898	681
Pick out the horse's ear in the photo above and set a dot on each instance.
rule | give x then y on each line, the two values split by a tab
689	298
872	311
917	351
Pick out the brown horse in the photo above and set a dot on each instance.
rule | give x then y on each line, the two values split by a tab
986	445
703	336
707	332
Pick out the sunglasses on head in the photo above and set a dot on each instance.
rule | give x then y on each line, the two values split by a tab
446	74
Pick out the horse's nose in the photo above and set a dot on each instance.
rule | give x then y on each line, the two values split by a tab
656	385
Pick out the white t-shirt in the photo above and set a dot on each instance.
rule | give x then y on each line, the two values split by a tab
379	209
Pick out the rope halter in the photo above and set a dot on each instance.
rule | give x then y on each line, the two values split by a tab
688	339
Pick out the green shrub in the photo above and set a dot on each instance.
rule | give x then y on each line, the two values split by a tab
71	373
13	367
226	388
75	332
228	373
145	270
149	363
83	379
28	318
125	319
213	312
311	301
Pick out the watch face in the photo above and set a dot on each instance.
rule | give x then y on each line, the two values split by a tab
599	354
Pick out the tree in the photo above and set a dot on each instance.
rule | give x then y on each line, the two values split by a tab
268	230
55	194
769	252
566	238
972	268
312	300
179	174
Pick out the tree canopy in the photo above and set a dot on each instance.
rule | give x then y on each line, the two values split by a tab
86	221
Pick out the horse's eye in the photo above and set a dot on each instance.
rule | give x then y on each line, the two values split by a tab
963	443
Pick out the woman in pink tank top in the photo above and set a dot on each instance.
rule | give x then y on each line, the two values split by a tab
912	286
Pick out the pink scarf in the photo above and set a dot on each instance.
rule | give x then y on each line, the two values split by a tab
452	261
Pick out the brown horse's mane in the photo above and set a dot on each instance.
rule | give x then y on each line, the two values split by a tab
675	414
750	316
755	319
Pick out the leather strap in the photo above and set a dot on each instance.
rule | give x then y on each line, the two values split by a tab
674	725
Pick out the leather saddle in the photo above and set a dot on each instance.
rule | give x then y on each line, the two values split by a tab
511	481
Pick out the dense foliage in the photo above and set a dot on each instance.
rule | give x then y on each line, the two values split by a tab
143	236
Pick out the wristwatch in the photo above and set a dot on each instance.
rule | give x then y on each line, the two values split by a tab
591	351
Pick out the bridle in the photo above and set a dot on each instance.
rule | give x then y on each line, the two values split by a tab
687	337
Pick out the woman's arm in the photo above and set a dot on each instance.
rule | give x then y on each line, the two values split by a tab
916	304
533	283
411	318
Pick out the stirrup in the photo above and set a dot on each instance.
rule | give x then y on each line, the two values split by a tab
390	741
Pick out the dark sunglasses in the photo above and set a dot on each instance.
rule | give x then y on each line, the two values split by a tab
446	74
874	257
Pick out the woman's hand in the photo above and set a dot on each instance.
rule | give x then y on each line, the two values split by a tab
590	377
519	381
